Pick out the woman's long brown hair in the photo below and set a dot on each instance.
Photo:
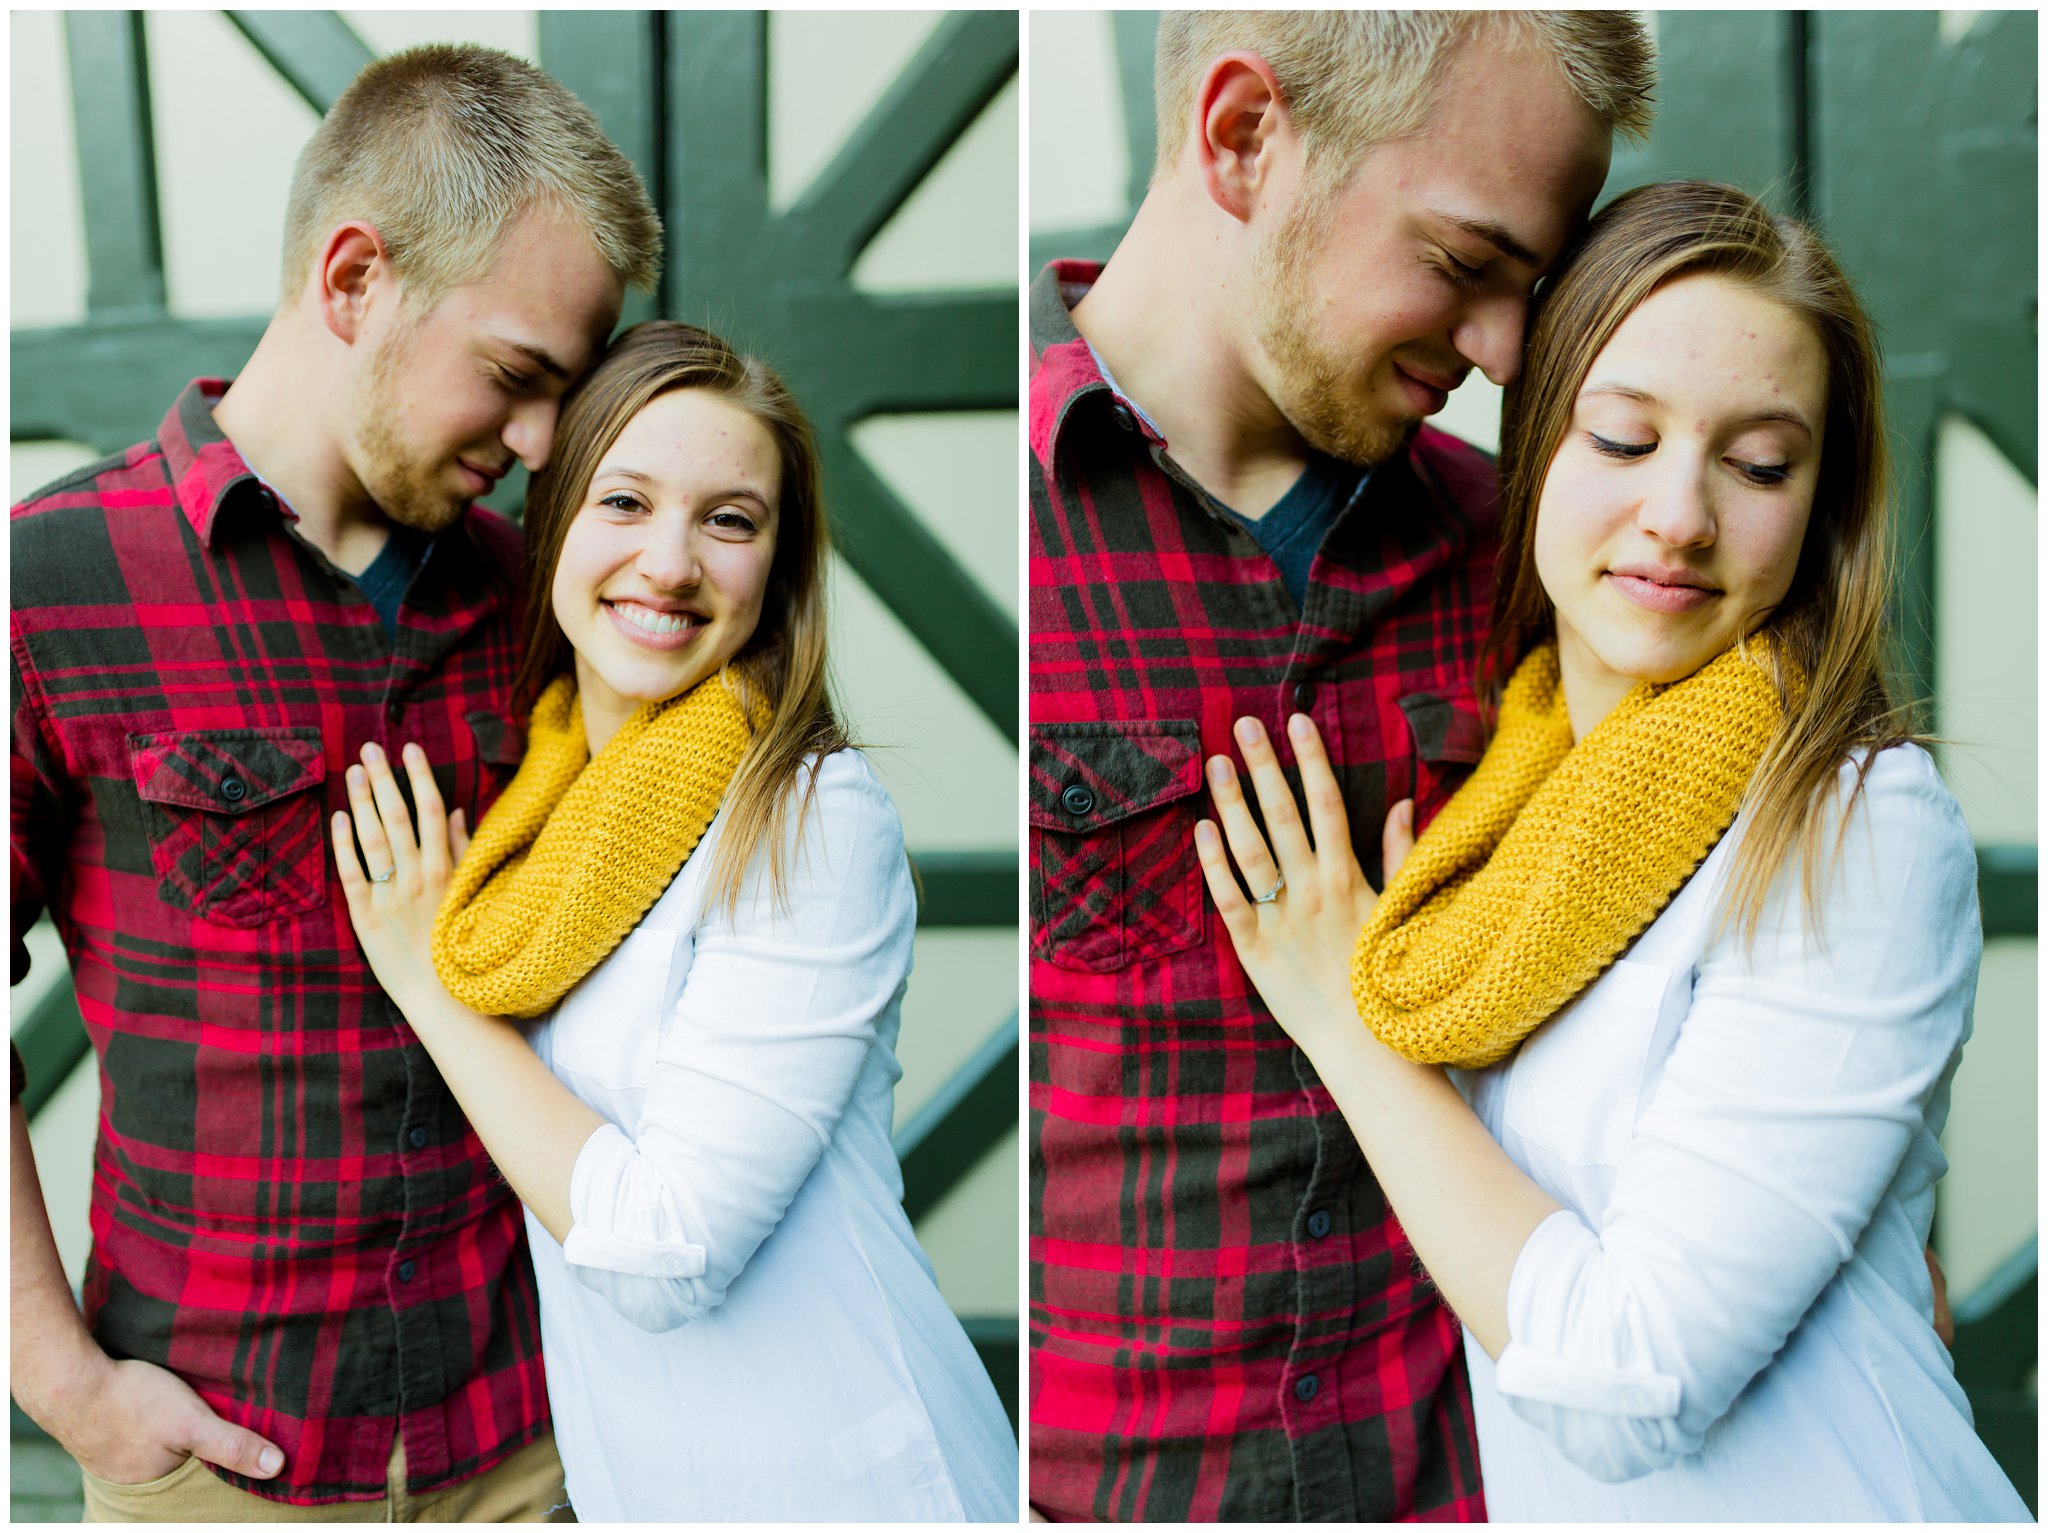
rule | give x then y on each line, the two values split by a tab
1831	624
784	661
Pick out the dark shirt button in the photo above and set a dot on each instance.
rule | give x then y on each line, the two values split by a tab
233	789
1319	1223
1305	1387
407	1268
1123	415
1079	799
394	711
417	1138
1304	696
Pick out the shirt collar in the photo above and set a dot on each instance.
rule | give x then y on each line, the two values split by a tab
206	468
1064	369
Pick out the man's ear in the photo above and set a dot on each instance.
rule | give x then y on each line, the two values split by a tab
353	269
1242	131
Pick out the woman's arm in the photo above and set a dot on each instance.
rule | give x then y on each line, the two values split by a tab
761	1055
533	1126
1467	1209
1802	1075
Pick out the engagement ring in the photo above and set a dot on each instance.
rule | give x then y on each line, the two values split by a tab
1272	894
385	878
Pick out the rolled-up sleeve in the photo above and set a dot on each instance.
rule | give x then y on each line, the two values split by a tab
770	1033
1801	1076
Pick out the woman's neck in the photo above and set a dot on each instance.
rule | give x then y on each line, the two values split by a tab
1591	690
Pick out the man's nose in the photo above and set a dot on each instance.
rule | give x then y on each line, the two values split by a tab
530	432
1489	336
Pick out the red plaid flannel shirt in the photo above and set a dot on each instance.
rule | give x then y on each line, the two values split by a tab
1226	1321
289	1210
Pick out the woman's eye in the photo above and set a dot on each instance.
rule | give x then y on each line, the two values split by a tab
1612	449
619	500
732	521
1762	473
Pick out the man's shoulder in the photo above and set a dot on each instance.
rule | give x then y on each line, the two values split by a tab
126	477
1466	474
62	529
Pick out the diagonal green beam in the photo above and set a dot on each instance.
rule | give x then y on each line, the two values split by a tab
110	113
316	51
961	68
964	1120
966	888
973	640
1136	31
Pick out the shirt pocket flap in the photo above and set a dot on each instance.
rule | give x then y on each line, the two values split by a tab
1085	777
498	740
226	771
1443	731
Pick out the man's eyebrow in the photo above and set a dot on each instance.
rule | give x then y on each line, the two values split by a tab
1496	235
1784	413
540	357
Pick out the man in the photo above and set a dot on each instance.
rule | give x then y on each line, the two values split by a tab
1236	513
308	1292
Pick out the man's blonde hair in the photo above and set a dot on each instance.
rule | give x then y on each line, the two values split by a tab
440	148
1353	79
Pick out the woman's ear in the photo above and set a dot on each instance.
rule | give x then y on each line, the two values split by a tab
1243	132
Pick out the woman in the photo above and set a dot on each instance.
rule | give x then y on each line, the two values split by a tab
1683	1216
703	893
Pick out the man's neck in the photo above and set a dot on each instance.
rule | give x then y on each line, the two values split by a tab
1168	328
268	413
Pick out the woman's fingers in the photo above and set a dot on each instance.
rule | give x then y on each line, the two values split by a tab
378	861
1284	830
391	808
458	836
353	884
1231	905
1397	838
426	799
1327	823
1247	847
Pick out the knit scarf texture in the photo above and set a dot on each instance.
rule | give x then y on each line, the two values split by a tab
577	849
1553	858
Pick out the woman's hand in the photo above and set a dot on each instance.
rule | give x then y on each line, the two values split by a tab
1296	945
395	890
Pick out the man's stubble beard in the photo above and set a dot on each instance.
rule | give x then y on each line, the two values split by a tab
407	489
1316	386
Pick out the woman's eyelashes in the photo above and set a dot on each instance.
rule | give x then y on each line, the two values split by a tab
1762	474
732	522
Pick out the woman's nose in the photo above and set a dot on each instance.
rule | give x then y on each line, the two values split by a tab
1677	505
669	555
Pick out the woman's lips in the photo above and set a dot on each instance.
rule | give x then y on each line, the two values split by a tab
635	634
1660	596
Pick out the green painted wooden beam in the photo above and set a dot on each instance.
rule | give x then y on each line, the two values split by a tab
1135	33
1997	1350
316	52
116	140
52	1041
965	1119
107	383
2008	888
962	67
995	1343
967	888
973	640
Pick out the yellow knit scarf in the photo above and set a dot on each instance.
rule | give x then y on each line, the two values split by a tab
1552	859
577	849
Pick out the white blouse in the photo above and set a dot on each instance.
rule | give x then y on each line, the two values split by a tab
741	1325
1731	1316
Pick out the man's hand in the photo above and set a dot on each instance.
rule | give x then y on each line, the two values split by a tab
137	1422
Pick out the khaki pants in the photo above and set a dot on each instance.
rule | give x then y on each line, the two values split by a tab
527	1487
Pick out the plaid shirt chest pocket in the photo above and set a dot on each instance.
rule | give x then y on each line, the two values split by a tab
236	822
1113	809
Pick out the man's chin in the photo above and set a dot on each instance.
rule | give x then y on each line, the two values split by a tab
1360	440
429	517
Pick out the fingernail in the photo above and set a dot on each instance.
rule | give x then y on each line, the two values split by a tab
269	1460
1205	834
1219	769
372	752
1299	725
1248	731
357	777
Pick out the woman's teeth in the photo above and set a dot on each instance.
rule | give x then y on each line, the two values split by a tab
651	622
